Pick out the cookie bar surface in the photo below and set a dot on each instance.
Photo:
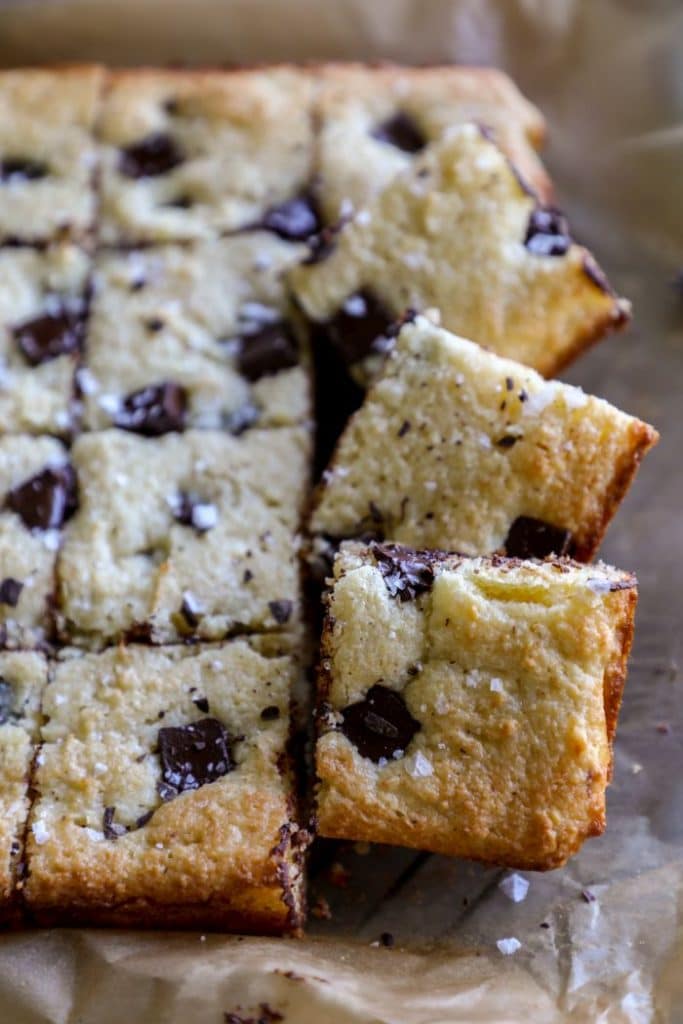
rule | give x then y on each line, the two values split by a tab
23	676
164	796
375	121
213	318
38	493
456	448
48	154
461	233
189	534
43	310
468	706
190	155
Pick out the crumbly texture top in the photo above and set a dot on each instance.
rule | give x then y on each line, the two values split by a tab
102	770
213	318
42	309
512	674
374	121
190	155
48	153
139	555
453	444
459	232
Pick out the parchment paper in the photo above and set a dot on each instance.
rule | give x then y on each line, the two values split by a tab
609	76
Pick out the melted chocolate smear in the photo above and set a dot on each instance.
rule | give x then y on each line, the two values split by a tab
45	501
380	725
281	610
192	756
547	233
295	220
155	410
6	701
534	538
361	327
154	155
10	591
49	336
270	349
406	573
402	132
15	168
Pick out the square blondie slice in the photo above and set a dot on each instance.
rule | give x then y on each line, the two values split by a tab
213	318
468	706
164	791
48	154
459	449
38	493
23	676
43	310
186	535
460	232
193	154
374	122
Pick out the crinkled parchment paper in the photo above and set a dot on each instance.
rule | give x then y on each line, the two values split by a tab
609	76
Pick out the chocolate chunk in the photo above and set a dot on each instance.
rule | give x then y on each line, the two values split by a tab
192	756
406	573
202	703
154	155
15	168
143	819
6	701
266	351
10	590
271	713
361	327
295	220
45	500
534	538
154	325
49	336
191	510
181	202
281	610
380	727
154	410
387	940
547	233
191	610
507	441
402	132
112	829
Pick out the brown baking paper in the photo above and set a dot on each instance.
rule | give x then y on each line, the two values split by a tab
601	940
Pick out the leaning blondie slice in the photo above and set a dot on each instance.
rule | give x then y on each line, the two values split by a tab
185	535
462	233
192	154
48	155
38	493
468	706
23	676
213	318
164	793
456	448
374	122
43	311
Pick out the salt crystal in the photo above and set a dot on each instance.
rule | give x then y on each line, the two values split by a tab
430	485
345	209
496	685
575	398
51	540
515	887
94	834
599	586
216	666
204	516
100	768
363	217
538	401
485	440
260	312
87	381
355	305
40	832
421	767
110	403
509	946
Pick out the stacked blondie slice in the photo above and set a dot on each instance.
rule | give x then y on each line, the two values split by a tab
178	250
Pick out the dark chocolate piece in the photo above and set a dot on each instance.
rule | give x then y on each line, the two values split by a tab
281	610
547	233
534	538
156	154
270	349
6	701
16	168
10	591
406	573
192	756
202	703
112	829
187	510
361	327
155	410
294	220
507	441
380	727
271	713
402	132
191	610
49	336
45	501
